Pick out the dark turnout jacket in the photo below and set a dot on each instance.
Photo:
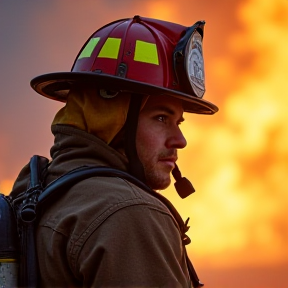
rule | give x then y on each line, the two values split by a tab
105	231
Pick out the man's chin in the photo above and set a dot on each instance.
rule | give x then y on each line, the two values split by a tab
159	184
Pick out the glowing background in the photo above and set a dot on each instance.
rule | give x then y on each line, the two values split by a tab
237	159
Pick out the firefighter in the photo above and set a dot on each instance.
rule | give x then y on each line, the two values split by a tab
125	97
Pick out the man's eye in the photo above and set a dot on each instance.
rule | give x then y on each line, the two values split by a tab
161	118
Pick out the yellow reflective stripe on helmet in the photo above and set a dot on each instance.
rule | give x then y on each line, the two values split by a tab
89	48
146	52
110	48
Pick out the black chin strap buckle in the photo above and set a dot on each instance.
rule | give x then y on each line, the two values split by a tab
182	185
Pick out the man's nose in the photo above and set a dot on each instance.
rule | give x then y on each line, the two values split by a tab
176	139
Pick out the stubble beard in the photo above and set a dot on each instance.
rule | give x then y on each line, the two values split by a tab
156	180
158	176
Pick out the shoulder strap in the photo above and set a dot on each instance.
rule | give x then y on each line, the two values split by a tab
72	177
24	206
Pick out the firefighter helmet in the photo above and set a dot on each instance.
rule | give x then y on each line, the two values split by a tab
139	55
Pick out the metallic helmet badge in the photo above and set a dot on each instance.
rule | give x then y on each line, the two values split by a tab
195	64
189	61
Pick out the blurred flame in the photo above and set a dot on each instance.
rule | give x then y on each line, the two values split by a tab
239	215
160	10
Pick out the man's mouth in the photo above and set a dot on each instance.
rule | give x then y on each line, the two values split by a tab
169	161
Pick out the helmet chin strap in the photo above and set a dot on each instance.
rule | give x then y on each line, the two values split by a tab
182	185
135	165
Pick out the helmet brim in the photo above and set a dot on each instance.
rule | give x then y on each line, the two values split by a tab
56	86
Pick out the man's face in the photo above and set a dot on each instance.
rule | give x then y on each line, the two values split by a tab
158	138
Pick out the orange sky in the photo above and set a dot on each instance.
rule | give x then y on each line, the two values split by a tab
236	159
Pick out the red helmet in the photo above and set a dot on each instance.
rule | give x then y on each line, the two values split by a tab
140	55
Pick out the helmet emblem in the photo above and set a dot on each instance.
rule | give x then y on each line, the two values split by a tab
195	63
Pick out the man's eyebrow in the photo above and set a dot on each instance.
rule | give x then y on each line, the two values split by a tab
168	110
